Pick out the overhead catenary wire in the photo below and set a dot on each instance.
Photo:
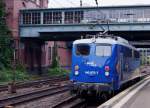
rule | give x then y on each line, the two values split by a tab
69	3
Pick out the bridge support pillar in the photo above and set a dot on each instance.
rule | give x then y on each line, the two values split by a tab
33	55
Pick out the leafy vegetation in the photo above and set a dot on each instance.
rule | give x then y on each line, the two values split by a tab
57	71
6	55
6	52
6	75
5	39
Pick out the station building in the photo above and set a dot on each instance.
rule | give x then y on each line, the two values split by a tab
33	53
145	56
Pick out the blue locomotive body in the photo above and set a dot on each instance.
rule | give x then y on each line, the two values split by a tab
103	64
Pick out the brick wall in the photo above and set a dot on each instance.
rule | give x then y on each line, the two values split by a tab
25	56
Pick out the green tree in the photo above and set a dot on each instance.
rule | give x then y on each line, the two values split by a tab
5	39
55	59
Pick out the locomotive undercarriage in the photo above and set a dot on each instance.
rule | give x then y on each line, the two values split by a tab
103	90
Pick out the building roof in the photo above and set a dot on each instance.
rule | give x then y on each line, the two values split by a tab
94	7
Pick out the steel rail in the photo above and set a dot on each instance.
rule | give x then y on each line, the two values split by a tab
34	82
70	102
21	98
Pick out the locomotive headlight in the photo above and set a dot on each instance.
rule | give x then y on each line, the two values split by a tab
76	68
106	73
107	70
76	72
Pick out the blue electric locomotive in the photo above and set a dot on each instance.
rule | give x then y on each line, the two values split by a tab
103	64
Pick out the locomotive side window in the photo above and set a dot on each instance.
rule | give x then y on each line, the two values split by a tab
82	49
103	50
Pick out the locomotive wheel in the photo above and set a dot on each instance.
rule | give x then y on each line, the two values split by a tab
72	92
104	96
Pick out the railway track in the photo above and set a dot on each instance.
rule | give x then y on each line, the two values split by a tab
71	102
26	97
49	81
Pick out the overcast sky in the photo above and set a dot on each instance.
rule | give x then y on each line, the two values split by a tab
76	3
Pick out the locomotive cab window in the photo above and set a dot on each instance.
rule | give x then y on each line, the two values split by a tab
82	49
103	50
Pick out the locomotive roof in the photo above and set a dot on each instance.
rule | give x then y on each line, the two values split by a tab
119	41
